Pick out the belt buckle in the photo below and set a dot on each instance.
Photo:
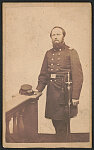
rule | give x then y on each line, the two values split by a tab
53	75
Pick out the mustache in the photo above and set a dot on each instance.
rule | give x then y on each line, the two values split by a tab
56	40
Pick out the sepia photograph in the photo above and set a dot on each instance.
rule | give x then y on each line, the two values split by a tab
47	84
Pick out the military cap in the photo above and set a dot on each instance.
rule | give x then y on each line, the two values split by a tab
26	89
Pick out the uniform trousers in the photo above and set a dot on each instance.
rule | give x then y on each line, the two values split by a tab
61	127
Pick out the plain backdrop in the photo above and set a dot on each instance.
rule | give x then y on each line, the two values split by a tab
26	39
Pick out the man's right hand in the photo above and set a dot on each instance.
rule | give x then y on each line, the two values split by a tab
37	92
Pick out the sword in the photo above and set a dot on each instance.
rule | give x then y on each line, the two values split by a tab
69	102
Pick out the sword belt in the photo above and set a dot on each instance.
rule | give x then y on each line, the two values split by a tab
59	74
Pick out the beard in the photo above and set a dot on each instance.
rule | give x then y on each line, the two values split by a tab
57	46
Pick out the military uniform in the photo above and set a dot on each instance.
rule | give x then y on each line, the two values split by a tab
57	62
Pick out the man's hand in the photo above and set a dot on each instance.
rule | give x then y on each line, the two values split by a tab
37	92
75	102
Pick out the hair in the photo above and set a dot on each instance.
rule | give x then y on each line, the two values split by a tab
63	31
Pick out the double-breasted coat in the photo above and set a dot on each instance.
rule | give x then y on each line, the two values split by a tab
57	61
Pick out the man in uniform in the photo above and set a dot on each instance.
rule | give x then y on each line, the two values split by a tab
58	63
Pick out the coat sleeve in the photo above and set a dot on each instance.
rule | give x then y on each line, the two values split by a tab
77	74
43	76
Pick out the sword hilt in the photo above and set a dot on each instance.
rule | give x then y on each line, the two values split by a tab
68	82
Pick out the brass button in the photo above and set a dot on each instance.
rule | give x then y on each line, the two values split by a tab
51	69
57	64
55	80
51	80
53	54
59	49
52	59
51	64
57	69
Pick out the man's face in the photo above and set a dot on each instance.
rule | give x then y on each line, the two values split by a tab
57	36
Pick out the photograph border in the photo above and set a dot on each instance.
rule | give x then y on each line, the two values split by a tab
1	60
